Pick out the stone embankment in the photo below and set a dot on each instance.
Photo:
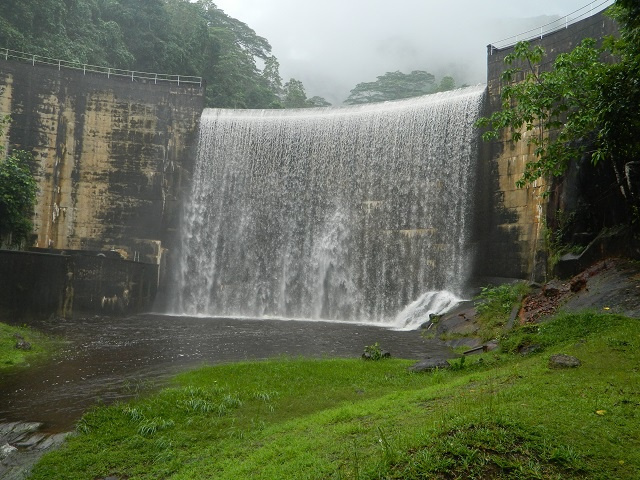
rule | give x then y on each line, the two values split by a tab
21	446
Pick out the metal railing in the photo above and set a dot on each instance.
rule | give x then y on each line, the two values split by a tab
156	78
562	23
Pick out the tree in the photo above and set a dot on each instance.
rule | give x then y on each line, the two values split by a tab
164	36
393	86
317	101
17	194
294	94
586	104
271	74
446	83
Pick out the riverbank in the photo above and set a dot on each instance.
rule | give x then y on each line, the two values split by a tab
495	415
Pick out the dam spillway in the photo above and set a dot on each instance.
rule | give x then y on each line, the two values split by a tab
351	213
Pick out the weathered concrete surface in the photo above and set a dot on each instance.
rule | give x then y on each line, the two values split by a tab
41	284
511	220
113	156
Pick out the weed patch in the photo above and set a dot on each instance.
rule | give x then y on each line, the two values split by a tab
494	305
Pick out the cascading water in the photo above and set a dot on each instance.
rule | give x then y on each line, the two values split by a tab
338	213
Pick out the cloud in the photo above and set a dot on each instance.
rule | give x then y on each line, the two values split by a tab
335	44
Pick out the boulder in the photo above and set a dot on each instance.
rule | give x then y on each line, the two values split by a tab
529	349
551	289
429	364
577	284
561	360
23	345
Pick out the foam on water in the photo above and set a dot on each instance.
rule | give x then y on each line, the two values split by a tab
344	214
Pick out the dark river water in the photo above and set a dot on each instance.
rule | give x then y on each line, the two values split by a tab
108	359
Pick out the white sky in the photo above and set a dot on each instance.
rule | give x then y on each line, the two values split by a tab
331	45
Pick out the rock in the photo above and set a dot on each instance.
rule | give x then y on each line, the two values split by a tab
6	450
551	289
563	361
491	346
29	445
529	349
577	284
429	364
23	345
30	440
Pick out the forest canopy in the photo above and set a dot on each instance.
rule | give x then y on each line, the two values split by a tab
162	36
398	85
180	37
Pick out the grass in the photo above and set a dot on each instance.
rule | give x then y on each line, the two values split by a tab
494	306
496	415
10	356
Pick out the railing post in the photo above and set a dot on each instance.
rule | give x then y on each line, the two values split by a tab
33	61
156	79
59	64
178	80
6	54
132	76
108	72
84	69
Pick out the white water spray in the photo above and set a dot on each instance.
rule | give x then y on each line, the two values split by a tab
335	214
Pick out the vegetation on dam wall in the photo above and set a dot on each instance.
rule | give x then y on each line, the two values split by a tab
17	194
559	107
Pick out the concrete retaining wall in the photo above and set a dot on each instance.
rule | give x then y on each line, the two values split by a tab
510	227
42	284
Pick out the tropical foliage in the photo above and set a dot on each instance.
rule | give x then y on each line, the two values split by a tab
165	36
586	104
17	195
398	85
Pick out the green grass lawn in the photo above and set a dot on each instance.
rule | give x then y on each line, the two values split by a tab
11	357
496	415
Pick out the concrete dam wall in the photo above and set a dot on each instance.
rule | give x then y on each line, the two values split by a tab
511	220
113	156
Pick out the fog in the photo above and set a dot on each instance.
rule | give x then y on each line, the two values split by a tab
332	45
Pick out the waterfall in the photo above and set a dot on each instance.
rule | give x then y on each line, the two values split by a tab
350	213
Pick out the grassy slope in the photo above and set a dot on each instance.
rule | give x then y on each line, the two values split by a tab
494	416
11	357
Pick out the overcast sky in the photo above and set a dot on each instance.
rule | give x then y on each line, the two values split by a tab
331	45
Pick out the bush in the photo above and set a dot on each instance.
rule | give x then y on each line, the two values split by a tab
17	195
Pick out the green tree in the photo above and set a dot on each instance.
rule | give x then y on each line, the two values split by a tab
294	95
317	101
164	36
586	104
446	83
17	194
271	74
393	86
